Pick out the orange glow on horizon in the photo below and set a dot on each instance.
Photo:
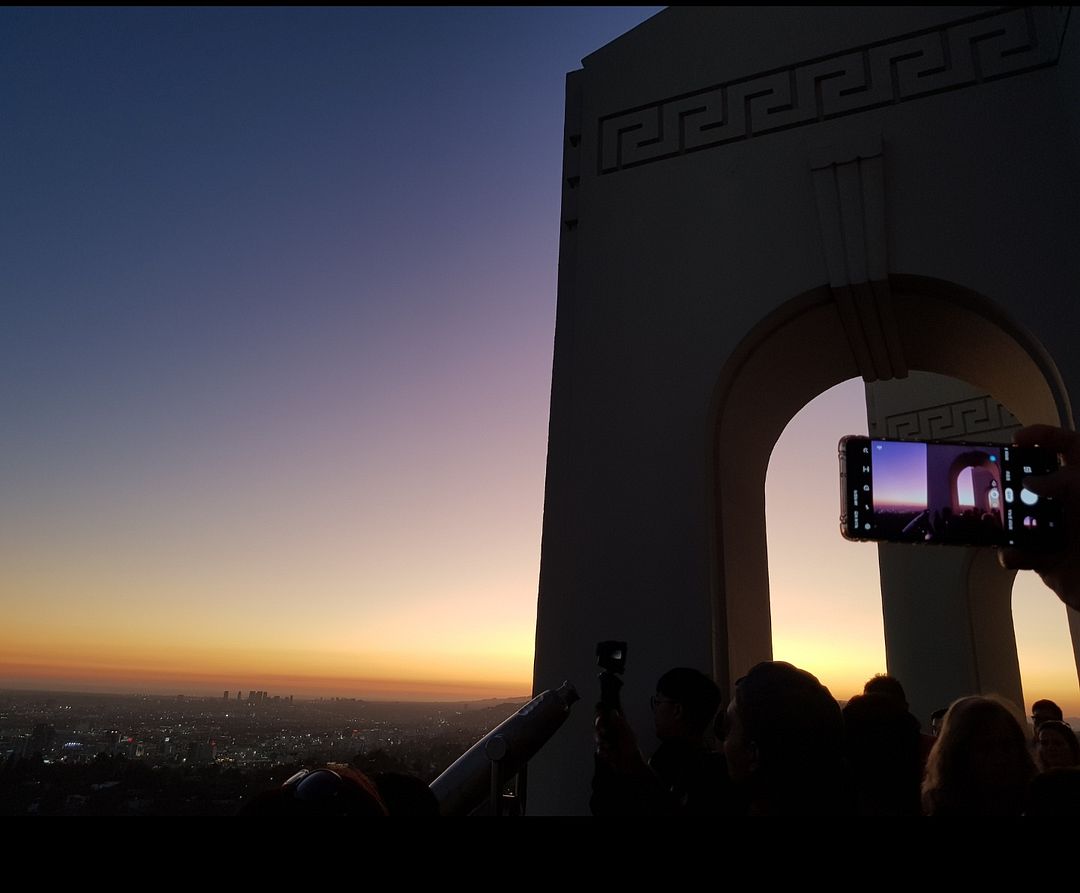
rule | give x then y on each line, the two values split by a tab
122	678
34	658
137	607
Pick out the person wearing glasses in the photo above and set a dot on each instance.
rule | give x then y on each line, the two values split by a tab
686	775
1042	711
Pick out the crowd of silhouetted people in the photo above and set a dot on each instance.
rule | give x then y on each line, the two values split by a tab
789	749
785	747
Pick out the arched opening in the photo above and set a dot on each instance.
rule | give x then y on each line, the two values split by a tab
824	592
946	639
1043	646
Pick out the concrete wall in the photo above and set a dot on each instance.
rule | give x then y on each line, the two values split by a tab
819	188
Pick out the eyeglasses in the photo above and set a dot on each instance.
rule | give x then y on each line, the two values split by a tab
660	699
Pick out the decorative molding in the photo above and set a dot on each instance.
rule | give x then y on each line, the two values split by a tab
958	420
849	190
960	54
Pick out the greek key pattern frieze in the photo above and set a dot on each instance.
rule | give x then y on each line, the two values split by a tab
966	52
959	420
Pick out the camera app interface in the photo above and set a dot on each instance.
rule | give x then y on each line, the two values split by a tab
941	492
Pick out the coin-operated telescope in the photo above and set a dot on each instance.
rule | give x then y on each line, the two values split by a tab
477	781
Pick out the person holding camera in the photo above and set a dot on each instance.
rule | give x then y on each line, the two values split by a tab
684	776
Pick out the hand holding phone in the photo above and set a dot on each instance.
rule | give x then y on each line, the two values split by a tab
948	493
1059	569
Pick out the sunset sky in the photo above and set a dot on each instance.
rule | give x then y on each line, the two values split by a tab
278	308
899	476
825	591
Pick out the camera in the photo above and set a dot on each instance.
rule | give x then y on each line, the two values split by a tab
611	658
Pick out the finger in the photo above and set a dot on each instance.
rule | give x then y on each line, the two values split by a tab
1067	443
1051	485
1061	484
1017	559
1034	435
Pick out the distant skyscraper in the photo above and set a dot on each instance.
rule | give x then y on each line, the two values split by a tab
42	738
225	696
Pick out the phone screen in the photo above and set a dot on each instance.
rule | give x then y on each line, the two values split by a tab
951	493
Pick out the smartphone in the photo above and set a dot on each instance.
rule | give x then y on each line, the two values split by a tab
963	494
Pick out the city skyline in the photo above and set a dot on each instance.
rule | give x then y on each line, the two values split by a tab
277	357
277	343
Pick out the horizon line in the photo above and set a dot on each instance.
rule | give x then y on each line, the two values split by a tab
4	689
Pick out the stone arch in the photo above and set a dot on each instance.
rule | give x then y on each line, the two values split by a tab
984	477
800	350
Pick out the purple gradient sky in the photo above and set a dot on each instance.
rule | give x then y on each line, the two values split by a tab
899	475
279	297
275	354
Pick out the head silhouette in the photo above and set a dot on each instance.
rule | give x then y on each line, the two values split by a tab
980	764
685	703
785	742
